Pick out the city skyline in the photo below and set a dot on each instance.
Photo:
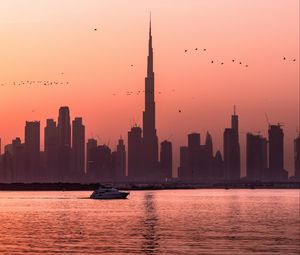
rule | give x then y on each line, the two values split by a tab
168	102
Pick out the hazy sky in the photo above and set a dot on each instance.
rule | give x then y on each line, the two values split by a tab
42	39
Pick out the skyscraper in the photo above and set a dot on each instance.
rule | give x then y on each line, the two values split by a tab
50	148
150	140
166	159
64	143
276	162
232	160
78	155
135	153
297	157
120	161
32	147
256	157
92	143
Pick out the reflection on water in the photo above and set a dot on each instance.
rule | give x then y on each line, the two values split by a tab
151	222
150	245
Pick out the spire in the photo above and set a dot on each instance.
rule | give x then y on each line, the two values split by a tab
150	25
150	52
234	109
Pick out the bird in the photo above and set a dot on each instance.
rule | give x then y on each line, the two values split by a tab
95	29
204	49
196	48
240	63
294	60
185	50
246	65
179	111
222	63
233	60
131	65
212	61
284	58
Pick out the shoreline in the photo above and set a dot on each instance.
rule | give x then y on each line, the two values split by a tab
144	186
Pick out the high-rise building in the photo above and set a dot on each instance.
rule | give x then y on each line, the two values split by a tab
64	144
150	140
100	169
276	162
166	159
78	153
218	167
51	150
256	157
297	157
32	147
91	144
184	172
120	161
194	155
232	160
135	153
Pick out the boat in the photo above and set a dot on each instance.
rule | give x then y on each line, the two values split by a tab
108	193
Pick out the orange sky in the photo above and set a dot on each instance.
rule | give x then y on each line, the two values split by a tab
42	39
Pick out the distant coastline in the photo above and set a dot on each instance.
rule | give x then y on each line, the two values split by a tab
146	186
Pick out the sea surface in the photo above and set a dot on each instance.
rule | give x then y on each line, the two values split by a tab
202	221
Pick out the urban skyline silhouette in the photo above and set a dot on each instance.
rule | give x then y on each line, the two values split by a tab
63	158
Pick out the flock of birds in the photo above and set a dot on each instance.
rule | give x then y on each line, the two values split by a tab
128	93
232	61
28	83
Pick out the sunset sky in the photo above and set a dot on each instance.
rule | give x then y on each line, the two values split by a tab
40	40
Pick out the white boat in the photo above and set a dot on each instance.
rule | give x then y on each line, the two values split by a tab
108	193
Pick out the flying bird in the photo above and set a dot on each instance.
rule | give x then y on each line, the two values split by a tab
179	111
233	60
222	63
240	63
204	49
294	60
246	65
212	61
284	58
185	50
95	29
196	48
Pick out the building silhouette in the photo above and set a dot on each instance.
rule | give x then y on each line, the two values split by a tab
218	167
276	161
64	144
232	161
78	151
32	148
166	159
150	140
135	154
51	150
101	164
91	144
297	157
120	161
256	157
197	163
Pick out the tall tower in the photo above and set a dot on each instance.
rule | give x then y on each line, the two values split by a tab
64	144
150	140
32	146
78	152
232	160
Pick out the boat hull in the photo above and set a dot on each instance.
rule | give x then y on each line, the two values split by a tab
119	195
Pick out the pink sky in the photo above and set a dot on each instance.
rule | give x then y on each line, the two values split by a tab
42	39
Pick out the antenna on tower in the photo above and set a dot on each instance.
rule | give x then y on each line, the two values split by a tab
267	119
234	109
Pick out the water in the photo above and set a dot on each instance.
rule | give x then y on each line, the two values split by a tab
151	222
